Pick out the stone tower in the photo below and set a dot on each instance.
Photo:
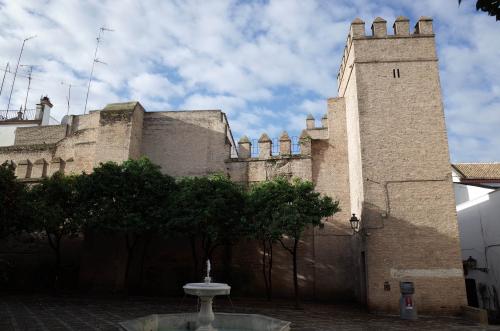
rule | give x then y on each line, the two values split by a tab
399	169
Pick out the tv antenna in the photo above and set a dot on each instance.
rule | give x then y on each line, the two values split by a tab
68	97
30	71
94	61
17	67
7	70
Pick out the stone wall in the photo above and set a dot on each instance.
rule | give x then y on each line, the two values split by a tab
47	134
186	143
119	132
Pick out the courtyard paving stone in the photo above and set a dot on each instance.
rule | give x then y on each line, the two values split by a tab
49	313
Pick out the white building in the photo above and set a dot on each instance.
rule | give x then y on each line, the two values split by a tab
10	120
477	191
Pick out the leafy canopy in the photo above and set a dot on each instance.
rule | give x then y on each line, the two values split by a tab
211	207
291	206
13	202
134	196
55	203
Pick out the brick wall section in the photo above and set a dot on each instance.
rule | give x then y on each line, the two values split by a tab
47	134
118	134
186	143
332	244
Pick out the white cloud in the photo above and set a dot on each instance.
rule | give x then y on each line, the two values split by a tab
229	104
153	90
266	64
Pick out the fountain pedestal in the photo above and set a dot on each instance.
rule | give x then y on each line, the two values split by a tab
206	292
206	314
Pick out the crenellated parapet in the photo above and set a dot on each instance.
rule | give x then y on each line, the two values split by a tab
265	147
245	148
285	144
401	29
57	164
39	168
314	131
305	143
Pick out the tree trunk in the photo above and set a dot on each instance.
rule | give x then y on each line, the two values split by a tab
295	277
147	241
228	271
269	270
192	240
130	245
264	269
55	244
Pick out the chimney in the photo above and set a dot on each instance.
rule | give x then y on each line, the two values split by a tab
43	110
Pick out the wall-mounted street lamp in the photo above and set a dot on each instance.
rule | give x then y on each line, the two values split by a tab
471	264
356	226
354	223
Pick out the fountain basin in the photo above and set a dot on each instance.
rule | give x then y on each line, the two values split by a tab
222	322
207	289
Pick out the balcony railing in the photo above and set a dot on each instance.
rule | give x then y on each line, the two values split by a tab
18	115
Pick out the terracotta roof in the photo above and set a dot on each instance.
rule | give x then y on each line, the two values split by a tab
478	170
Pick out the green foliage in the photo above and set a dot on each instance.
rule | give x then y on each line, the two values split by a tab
55	211
13	202
282	210
210	208
55	203
280	207
492	7
263	214
132	197
303	207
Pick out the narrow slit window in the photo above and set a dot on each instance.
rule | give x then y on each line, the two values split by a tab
395	73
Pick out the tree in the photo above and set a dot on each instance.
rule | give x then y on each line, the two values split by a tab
492	7
263	198
132	199
209	209
13	202
55	210
298	208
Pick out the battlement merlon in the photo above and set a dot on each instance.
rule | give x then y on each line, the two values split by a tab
400	42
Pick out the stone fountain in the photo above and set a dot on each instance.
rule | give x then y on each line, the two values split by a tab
205	319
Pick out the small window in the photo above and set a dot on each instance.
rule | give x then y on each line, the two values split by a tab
395	73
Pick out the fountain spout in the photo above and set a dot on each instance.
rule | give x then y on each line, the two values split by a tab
208	279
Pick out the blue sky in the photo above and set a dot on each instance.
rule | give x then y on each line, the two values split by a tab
267	64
